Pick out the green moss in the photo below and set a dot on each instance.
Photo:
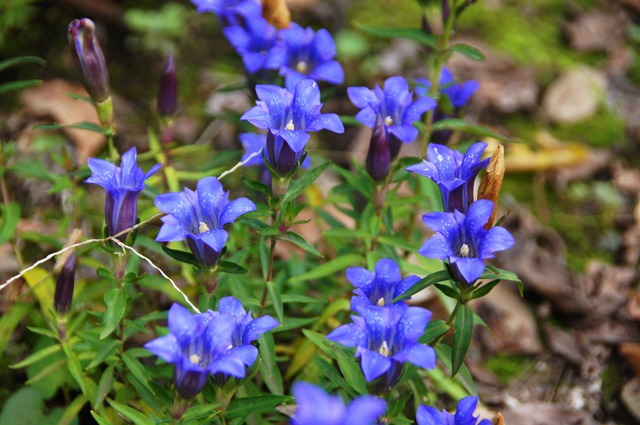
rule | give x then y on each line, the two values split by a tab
600	131
506	367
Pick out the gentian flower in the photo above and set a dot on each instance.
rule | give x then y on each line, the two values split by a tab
427	415
454	173
378	160
316	407
395	106
247	329
123	184
167	103
257	44
198	346
89	59
381	287
199	216
230	12
463	240
385	339
309	55
65	283
289	117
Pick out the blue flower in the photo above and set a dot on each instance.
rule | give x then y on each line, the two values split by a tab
257	42
309	55
199	216
289	117
463	240
89	59
454	173
381	287
316	407
231	12
394	104
198	346
385	339
428	415
123	185
247	329
458	93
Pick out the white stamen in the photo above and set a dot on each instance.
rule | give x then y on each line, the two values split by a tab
289	126
464	250
195	359
302	67
380	302
384	349
388	121
203	227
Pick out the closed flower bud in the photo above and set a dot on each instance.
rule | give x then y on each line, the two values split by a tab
379	156
168	93
88	58
64	285
436	14
492	182
276	13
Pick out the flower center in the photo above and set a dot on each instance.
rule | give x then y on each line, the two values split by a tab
388	121
289	126
380	302
195	359
384	349
302	67
464	250
203	227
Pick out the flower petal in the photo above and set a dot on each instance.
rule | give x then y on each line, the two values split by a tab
235	209
496	239
373	364
359	276
257	327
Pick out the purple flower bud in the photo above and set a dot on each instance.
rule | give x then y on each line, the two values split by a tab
64	285
168	94
88	58
379	156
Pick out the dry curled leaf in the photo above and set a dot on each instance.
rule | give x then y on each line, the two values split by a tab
276	13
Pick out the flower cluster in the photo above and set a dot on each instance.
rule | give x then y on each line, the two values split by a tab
391	112
199	218
428	415
210	343
123	185
316	407
289	117
385	334
461	236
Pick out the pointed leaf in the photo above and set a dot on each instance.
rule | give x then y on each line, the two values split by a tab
461	337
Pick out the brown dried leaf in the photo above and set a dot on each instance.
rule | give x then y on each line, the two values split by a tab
631	352
276	13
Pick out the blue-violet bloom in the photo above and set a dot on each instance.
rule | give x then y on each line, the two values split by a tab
231	12
428	415
309	54
289	117
459	93
199	216
247	329
89	59
463	240
257	44
198	346
167	103
315	407
123	185
385	339
394	104
378	288
454	173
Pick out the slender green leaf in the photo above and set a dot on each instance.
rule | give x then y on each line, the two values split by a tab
435	329
330	267
458	124
425	282
182	256
462	337
10	319
320	341
231	268
10	218
7	63
100	419
37	356
469	51
484	289
298	240
350	369
72	410
85	125
274	294
18	85
133	415
75	368
414	34
241	407
137	370
108	348
299	185
104	386
116	302
268	367
257	186
447	290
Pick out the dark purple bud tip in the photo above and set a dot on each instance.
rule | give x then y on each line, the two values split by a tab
88	58
168	93
64	286
379	156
